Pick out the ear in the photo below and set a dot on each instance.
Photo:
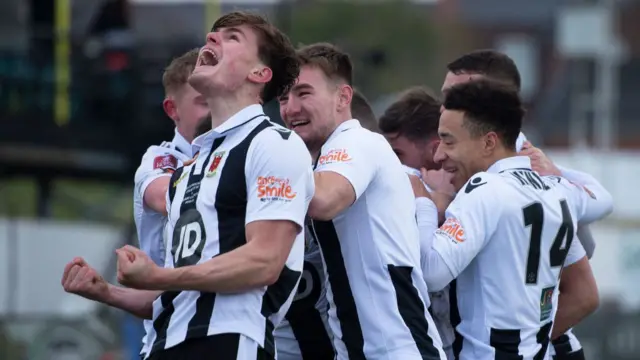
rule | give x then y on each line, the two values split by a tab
169	106
345	94
260	75
432	146
491	142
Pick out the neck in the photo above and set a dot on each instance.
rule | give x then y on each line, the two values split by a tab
314	148
222	107
498	155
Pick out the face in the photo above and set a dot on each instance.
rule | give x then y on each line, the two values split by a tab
459	152
412	153
228	60
311	107
187	108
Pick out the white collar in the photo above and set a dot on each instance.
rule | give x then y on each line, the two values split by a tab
240	118
513	162
181	143
349	124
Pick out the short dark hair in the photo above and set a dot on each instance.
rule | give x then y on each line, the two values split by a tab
361	110
177	73
488	105
415	115
491	63
333	62
274	49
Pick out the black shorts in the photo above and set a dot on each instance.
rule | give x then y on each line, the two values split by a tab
215	347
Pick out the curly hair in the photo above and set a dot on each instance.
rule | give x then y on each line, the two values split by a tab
488	105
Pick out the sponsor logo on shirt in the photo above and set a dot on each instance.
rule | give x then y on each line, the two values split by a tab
453	230
167	163
272	188
546	303
213	168
334	156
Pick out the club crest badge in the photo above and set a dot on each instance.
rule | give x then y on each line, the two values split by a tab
213	168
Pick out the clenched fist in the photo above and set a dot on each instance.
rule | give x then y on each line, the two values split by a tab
438	180
135	268
81	279
540	163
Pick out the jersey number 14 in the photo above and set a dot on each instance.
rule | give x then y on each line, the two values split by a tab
534	217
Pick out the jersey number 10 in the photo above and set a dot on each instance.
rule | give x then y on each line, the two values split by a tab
534	217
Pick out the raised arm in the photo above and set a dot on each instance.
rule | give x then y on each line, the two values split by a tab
81	279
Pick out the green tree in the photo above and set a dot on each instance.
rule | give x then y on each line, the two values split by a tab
391	42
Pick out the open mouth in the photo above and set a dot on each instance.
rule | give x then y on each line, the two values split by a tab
207	58
298	123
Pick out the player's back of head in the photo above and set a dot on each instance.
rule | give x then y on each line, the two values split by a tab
414	115
361	110
488	106
175	75
334	63
490	63
274	50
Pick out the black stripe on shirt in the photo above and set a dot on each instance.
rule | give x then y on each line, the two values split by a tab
188	205
542	337
231	208
345	304
306	322
506	344
454	316
412	310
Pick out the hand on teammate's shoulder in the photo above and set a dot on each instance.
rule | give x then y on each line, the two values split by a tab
540	163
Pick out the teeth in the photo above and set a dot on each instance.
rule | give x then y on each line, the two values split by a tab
296	123
208	57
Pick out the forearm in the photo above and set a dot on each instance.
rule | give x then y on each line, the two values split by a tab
136	302
586	239
435	271
602	203
236	271
427	218
571	310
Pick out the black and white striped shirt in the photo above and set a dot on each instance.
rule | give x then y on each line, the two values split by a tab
371	251
248	169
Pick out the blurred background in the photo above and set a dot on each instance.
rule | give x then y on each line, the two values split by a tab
80	101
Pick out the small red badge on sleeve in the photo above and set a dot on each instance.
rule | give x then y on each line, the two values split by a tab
165	162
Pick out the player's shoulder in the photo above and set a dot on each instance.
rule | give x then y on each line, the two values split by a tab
355	139
482	184
278	139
